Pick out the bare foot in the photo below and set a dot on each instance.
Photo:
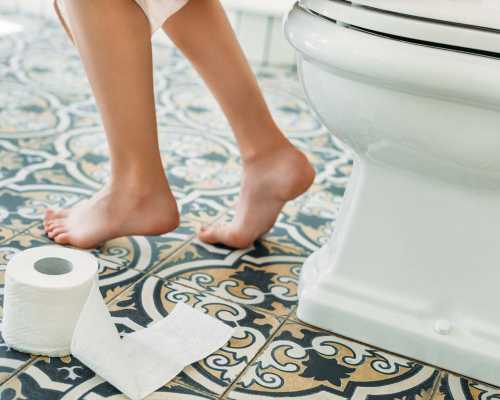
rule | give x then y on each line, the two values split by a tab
113	213
268	183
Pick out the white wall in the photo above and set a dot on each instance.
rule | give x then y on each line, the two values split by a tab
258	24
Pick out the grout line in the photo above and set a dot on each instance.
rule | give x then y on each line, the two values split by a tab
290	314
194	389
261	350
435	387
2	242
19	370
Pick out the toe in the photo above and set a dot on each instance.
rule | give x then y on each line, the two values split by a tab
55	226
57	231
48	218
55	222
49	224
209	235
226	235
62	238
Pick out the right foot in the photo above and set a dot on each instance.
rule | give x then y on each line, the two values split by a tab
113	213
269	181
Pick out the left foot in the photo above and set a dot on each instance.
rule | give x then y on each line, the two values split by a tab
113	213
269	181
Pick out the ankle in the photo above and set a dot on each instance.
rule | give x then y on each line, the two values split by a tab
132	196
253	154
260	140
140	186
137	173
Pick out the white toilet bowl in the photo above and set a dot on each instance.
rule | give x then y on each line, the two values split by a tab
413	88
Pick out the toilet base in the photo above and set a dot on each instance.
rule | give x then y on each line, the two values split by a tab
413	268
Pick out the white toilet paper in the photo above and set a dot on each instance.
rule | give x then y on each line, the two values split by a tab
53	307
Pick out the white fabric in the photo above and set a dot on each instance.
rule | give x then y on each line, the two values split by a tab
157	12
60	314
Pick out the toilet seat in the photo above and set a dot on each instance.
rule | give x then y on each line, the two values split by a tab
464	25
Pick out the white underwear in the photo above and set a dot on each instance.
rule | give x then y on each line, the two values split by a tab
157	12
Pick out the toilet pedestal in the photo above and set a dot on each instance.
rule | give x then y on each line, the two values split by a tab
423	283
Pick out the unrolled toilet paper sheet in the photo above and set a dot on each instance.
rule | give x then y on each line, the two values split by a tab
58	312
143	361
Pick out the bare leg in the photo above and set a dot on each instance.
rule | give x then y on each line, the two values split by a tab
113	38
274	171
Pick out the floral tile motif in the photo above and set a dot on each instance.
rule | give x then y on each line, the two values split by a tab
41	61
55	174
13	159
264	276
27	113
453	387
152	299
307	363
11	221
199	209
113	280
307	222
68	379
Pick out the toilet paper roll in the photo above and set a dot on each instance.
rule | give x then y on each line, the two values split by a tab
53	307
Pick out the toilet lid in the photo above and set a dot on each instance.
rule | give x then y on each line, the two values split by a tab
479	13
464	24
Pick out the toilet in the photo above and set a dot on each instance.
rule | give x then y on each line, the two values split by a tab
412	88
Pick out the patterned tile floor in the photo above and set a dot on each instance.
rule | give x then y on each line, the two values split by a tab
53	154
